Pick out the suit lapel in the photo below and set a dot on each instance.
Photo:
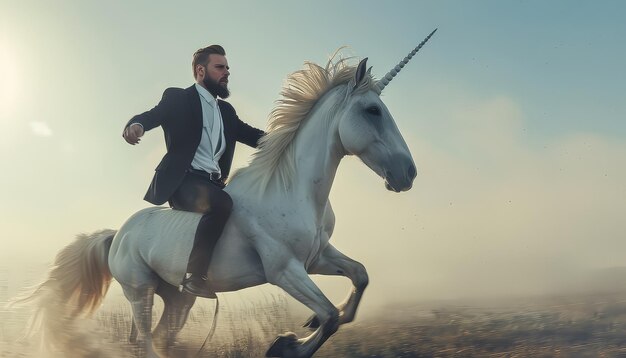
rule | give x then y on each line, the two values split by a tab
196	108
226	120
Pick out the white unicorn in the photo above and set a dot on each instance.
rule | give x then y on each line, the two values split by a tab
279	229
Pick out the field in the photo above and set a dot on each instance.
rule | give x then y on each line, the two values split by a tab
574	325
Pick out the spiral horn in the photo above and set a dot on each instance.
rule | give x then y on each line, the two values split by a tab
382	83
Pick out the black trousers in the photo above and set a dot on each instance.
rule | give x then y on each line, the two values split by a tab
199	194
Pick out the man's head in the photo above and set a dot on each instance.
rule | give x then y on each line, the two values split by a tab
210	69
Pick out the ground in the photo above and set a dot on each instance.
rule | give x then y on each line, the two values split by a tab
583	324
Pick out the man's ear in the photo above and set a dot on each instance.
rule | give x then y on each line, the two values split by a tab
200	70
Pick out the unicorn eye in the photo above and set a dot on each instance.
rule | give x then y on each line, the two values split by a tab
373	110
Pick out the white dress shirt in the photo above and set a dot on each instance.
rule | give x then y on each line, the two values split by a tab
213	143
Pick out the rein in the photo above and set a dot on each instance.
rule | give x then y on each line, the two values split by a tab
212	331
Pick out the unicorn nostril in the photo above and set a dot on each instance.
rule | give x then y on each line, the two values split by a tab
412	172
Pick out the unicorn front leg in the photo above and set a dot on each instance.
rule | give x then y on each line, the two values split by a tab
294	279
333	262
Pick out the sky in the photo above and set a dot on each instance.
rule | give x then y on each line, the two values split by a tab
514	113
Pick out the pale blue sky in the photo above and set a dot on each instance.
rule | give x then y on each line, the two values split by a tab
514	112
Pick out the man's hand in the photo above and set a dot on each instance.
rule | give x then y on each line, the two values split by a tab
133	133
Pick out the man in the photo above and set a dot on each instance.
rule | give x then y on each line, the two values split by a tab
200	135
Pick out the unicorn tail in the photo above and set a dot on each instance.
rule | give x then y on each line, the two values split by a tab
75	286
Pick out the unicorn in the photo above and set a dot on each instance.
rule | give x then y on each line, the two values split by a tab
280	226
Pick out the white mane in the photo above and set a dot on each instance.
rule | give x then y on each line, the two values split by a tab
300	93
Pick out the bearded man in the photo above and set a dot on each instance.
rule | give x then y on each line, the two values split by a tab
200	135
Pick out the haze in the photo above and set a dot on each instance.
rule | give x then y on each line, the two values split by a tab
514	113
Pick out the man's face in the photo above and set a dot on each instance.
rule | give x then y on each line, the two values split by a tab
217	69
215	75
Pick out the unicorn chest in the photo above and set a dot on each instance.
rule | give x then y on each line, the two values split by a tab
297	231
305	242
292	229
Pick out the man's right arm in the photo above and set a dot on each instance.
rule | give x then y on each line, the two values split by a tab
133	132
145	121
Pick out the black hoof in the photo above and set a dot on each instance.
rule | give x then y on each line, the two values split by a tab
312	323
281	343
132	338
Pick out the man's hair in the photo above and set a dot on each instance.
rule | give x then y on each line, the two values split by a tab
201	57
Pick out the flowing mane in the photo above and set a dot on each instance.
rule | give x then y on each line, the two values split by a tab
300	93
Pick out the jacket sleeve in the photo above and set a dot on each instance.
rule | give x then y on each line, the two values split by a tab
156	116
246	133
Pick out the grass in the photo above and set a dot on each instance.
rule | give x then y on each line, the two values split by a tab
566	326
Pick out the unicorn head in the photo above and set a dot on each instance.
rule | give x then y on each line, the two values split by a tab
344	103
368	130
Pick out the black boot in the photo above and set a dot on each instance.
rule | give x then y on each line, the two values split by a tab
197	285
195	281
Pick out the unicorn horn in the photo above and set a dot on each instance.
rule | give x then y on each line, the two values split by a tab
391	74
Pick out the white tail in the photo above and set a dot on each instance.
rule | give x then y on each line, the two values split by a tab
75	286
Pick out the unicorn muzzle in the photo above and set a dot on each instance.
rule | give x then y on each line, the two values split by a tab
400	178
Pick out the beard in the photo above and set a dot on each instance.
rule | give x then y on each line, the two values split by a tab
215	88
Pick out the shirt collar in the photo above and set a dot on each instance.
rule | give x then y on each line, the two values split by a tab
206	95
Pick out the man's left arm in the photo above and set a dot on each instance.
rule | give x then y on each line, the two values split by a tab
246	133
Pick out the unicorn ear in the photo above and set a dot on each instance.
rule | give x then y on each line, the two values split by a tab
360	72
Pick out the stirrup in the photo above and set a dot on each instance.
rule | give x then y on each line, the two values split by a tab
196	285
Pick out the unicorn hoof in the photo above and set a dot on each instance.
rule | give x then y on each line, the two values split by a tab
282	344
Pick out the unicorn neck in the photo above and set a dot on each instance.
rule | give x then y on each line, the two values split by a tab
318	152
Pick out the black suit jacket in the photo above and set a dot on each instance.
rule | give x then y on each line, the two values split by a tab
179	113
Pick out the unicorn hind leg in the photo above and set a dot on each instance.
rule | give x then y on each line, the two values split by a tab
175	313
141	300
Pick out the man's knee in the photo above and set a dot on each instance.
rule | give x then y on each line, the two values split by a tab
223	205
